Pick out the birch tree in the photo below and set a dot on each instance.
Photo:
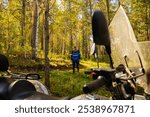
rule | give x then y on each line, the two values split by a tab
34	37
47	81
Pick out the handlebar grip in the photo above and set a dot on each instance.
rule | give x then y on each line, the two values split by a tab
88	88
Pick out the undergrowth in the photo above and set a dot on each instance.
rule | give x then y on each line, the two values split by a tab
63	82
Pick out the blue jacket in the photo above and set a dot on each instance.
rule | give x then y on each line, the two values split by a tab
75	55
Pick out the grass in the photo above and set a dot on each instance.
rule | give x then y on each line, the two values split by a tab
65	83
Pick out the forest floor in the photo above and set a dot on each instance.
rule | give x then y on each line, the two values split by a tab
62	80
26	64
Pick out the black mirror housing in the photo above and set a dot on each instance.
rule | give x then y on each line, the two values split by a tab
100	29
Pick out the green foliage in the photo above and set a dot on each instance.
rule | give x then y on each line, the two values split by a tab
140	19
70	20
65	83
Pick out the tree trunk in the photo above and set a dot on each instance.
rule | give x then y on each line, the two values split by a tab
147	21
23	23
91	8
34	40
86	43
8	39
71	40
64	42
47	81
108	11
42	37
63	46
70	26
119	3
87	35
52	40
83	41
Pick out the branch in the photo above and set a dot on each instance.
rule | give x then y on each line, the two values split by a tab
52	4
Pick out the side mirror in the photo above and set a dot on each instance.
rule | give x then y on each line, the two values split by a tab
101	33
100	29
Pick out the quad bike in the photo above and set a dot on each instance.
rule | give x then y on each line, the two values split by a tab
121	82
22	86
13	84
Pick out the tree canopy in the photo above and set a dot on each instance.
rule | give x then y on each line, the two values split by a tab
22	24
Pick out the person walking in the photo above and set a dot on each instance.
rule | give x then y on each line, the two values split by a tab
75	57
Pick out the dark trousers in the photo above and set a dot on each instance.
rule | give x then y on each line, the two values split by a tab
75	65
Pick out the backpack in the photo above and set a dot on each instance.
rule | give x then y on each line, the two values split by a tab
75	56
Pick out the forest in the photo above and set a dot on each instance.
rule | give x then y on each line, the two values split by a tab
69	21
44	32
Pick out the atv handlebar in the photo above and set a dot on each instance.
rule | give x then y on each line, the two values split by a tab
101	81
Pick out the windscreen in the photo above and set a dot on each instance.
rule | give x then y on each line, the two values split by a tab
124	43
145	48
